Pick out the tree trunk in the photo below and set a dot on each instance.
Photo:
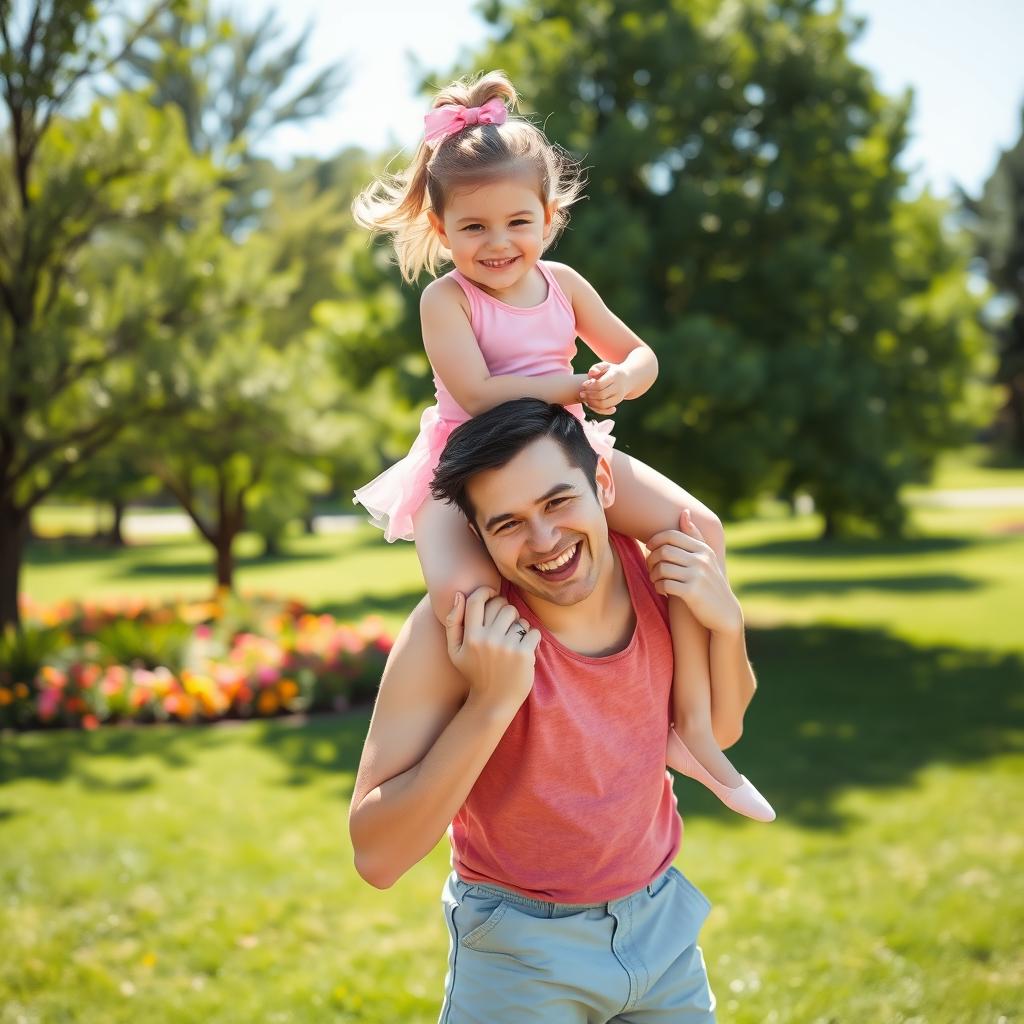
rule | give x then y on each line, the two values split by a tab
13	535
225	559
271	546
829	530
115	538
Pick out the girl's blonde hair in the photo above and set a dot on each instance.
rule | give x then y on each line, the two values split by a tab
397	204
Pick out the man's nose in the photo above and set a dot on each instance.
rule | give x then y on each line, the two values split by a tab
543	537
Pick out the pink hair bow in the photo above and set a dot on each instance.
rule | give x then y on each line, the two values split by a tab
451	118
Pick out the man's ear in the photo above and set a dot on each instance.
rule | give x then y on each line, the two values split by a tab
438	225
605	482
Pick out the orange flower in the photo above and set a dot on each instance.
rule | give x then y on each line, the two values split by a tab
267	702
288	689
6	697
90	722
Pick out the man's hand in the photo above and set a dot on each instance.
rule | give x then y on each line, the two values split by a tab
607	384
682	565
493	648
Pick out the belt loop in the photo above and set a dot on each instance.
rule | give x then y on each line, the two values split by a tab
650	888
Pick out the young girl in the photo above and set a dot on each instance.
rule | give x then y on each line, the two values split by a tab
488	191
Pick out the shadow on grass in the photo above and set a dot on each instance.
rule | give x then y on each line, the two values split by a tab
371	604
858	547
848	584
69	550
837	708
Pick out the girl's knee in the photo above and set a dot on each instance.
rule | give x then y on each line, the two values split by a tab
711	528
442	596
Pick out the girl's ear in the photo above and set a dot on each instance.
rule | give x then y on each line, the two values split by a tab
549	214
438	225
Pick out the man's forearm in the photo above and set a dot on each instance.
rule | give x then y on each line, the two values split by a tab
397	824
732	683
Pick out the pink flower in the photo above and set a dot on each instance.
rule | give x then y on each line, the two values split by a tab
48	703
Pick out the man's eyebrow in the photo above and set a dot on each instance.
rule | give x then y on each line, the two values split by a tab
547	496
471	220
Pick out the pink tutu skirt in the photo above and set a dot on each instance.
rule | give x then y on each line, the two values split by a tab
394	497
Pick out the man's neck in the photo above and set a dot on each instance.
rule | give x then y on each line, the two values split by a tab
599	625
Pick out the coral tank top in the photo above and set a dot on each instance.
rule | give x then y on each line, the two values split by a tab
575	804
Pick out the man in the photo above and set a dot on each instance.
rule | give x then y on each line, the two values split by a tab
533	728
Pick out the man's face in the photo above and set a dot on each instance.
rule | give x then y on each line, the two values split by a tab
542	524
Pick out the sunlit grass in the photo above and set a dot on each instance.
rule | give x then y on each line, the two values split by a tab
204	874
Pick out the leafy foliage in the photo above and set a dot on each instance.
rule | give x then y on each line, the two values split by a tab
748	218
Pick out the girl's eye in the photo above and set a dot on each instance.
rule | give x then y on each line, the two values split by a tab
472	227
520	222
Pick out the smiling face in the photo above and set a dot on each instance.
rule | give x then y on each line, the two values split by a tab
495	231
543	525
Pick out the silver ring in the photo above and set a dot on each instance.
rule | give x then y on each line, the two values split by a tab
522	633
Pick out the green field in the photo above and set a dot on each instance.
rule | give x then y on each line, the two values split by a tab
204	873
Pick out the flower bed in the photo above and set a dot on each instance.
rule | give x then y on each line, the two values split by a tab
86	663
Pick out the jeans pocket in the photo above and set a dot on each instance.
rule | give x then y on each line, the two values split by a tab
690	889
477	915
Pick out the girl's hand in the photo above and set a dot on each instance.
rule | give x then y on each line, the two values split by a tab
607	384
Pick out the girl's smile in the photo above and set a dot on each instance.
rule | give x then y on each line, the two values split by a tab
496	233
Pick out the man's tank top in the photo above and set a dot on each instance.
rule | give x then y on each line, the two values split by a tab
575	804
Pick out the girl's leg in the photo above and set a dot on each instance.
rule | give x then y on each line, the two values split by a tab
646	503
452	557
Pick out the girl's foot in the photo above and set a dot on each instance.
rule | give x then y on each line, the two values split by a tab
742	798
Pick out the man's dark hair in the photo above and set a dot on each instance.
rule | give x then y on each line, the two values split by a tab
494	438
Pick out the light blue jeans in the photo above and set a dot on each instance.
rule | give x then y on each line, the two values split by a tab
633	960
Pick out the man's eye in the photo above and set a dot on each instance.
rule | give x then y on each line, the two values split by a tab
555	502
505	527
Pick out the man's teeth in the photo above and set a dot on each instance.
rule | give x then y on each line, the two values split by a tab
558	562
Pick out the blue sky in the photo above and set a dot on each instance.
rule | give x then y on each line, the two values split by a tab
963	61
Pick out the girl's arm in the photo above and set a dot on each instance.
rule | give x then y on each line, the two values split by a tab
454	353
610	338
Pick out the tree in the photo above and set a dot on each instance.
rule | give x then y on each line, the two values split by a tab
996	221
264	406
746	217
82	355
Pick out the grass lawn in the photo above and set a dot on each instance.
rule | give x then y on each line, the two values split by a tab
204	874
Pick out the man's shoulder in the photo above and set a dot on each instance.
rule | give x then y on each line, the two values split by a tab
421	648
634	563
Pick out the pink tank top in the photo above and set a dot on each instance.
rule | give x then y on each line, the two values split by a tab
514	341
575	804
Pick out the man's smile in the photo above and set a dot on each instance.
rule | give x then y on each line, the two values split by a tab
562	566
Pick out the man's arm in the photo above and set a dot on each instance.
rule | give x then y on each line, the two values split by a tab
430	736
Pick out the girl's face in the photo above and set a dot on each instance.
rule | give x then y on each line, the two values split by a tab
495	232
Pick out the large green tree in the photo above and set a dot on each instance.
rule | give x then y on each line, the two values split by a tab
748	217
996	220
265	410
83	353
